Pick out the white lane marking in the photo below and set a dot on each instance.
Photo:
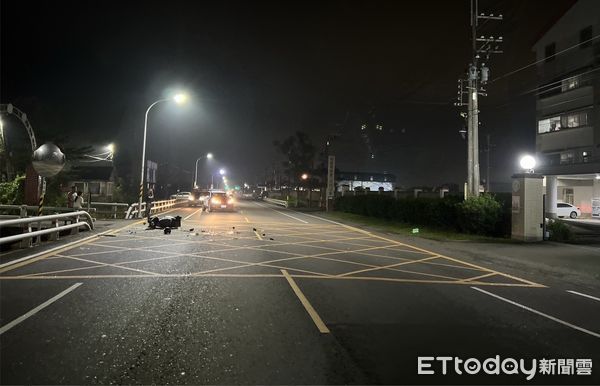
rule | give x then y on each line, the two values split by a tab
307	306
584	295
199	210
37	309
257	235
280	212
595	334
324	219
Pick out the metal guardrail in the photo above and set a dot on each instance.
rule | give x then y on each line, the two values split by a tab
157	206
276	201
23	210
28	236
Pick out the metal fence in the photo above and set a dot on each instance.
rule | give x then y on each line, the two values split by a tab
45	225
157	206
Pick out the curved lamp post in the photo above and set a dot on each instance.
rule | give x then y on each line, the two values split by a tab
207	156
179	99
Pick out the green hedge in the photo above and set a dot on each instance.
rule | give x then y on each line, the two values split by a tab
559	231
484	215
13	192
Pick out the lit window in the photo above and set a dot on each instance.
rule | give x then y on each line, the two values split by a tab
576	119
549	124
566	158
570	83
585	156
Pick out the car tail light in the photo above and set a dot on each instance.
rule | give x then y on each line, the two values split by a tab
215	200
230	201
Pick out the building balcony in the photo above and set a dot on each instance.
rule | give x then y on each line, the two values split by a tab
574	99
568	63
569	138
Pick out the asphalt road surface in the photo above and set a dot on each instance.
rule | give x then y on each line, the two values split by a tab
266	295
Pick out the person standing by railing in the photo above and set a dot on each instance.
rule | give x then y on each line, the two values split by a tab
78	202
71	197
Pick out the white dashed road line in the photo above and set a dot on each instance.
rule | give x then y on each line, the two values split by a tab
584	295
285	214
592	333
37	309
193	213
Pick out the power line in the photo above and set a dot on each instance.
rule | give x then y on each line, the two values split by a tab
543	60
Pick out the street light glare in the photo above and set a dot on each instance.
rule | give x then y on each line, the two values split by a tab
209	156
304	176
222	172
180	98
527	162
110	147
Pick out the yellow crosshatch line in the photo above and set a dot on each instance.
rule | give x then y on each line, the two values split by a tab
308	233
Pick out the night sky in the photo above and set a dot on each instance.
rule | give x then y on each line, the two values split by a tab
85	72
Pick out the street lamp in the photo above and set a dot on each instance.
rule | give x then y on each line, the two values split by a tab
304	176
208	156
527	163
177	98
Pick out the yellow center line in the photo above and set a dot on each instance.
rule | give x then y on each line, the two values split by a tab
389	266
309	308
475	278
246	218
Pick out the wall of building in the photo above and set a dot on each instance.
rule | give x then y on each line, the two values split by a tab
570	146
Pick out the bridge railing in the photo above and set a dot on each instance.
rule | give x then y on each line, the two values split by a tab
275	201
22	211
157	206
28	237
110	209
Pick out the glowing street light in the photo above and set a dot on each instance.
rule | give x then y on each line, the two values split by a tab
179	98
304	176
527	163
208	156
222	172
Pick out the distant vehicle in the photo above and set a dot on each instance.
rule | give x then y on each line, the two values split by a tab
248	196
197	197
567	210
179	195
219	200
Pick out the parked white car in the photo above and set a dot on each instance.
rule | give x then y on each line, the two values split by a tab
567	210
180	195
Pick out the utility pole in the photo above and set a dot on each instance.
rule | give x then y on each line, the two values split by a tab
477	76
